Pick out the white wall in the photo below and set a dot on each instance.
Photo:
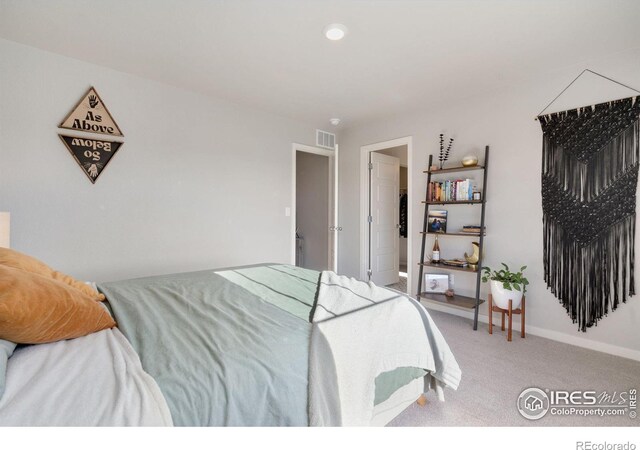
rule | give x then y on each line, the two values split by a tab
503	120
312	208
199	183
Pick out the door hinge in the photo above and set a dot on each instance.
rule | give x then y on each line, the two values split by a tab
370	166
370	219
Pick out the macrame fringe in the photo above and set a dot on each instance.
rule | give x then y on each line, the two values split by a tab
590	280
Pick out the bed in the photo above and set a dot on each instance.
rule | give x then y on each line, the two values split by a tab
264	345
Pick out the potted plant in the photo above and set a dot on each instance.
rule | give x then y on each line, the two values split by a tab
506	285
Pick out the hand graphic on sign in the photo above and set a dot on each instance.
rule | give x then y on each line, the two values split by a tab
93	101
93	171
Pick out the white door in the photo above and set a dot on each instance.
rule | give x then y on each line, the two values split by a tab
384	217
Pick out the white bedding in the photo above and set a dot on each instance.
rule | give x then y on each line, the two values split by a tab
359	331
103	372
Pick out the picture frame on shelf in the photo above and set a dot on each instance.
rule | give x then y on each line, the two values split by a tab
437	221
436	283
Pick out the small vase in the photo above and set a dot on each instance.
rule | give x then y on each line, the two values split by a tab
501	296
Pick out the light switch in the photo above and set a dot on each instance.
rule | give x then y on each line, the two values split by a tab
287	211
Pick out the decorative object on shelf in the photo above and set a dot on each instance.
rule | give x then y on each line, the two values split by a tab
470	161
444	153
506	285
477	196
449	293
474	257
437	221
590	160
436	282
435	254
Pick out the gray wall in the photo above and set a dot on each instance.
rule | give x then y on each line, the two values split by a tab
199	183
505	121
312	208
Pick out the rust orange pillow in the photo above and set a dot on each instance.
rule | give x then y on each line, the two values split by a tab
36	309
17	260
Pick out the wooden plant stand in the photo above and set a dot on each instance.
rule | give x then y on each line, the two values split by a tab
509	312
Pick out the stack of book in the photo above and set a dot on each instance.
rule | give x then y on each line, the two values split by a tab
455	262
471	229
451	190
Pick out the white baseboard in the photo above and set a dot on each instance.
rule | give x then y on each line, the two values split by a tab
545	333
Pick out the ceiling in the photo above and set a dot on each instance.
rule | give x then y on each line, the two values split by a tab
398	55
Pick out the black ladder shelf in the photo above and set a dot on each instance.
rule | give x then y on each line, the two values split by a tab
458	301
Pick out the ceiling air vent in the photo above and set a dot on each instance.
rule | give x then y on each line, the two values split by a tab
325	139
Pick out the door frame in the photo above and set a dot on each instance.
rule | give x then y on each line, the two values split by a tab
364	203
332	262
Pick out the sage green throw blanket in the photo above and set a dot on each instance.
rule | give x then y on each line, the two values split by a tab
228	347
220	354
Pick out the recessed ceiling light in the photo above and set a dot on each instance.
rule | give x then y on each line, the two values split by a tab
335	31
335	121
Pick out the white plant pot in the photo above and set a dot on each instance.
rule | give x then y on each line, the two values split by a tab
501	296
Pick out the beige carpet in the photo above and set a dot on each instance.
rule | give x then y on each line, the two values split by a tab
495	372
401	285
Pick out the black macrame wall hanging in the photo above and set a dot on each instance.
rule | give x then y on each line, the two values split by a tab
590	159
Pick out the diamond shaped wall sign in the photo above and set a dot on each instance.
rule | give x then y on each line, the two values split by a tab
91	115
92	155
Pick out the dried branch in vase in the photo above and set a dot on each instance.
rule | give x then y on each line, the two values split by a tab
444	153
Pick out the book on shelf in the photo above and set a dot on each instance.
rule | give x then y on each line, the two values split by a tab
473	230
451	190
455	262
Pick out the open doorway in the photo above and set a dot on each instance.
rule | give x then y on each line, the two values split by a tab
314	208
386	213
